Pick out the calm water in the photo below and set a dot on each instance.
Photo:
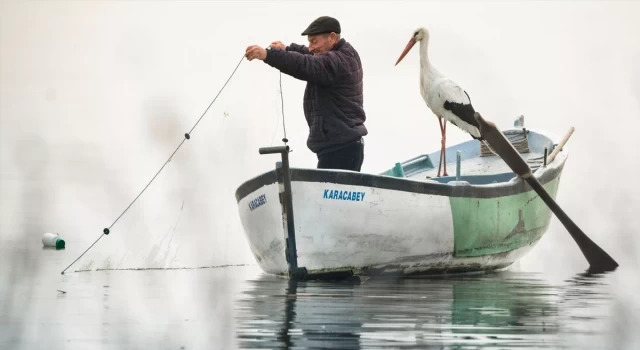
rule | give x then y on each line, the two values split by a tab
240	307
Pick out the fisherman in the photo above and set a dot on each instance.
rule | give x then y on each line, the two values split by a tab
333	99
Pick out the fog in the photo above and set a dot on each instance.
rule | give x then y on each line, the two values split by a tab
96	95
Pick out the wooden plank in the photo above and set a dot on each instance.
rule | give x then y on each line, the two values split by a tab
518	139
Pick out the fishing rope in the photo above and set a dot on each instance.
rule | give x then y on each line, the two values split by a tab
187	136
284	128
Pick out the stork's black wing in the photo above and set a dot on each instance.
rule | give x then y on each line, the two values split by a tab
463	110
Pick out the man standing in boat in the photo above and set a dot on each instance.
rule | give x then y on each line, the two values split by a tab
333	98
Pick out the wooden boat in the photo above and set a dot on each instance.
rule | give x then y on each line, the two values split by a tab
404	220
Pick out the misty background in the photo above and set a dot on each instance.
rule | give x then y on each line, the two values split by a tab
95	96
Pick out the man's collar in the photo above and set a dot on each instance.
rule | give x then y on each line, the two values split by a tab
339	44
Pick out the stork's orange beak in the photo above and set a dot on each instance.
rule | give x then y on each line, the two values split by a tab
407	48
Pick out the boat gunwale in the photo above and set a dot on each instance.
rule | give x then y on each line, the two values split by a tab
412	185
451	189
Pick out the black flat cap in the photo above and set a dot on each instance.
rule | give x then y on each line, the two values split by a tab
322	25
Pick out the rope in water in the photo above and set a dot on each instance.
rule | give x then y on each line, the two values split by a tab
187	136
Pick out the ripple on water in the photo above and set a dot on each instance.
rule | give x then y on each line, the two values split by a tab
508	309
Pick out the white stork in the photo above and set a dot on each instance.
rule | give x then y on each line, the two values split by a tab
446	99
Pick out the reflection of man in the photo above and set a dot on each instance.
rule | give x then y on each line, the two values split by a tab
333	100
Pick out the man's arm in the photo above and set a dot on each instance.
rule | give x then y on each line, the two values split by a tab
298	48
321	69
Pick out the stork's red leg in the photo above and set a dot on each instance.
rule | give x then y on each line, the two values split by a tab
441	149
444	147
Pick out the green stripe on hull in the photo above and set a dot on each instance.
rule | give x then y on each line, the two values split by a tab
485	226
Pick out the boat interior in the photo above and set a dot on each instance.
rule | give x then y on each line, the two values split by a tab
478	165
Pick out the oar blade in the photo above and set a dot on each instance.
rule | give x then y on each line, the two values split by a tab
598	259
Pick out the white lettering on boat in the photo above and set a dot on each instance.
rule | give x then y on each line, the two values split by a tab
343	195
261	200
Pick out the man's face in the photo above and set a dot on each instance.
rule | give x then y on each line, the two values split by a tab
320	43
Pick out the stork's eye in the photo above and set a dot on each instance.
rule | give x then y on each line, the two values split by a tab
415	34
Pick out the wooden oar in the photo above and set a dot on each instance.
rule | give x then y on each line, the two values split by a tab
598	259
557	150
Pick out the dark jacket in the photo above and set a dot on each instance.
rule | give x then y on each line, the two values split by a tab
333	97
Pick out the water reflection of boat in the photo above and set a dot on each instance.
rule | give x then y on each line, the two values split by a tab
502	309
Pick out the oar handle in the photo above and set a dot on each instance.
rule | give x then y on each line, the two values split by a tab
503	147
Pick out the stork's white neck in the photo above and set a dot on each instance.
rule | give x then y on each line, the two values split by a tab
424	54
427	72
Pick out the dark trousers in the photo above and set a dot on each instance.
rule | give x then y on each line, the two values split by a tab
347	158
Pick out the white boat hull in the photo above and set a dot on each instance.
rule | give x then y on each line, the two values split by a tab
378	224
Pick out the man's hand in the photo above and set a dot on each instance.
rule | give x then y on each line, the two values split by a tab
278	45
255	51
